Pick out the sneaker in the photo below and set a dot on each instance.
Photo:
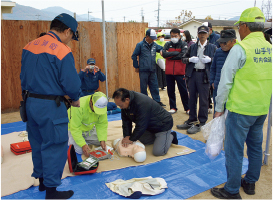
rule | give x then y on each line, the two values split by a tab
161	104
210	111
221	193
188	112
172	111
249	188
187	124
194	129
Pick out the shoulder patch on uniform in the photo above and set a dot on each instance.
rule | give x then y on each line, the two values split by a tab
47	44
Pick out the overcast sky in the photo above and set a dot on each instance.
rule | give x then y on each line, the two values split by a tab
117	10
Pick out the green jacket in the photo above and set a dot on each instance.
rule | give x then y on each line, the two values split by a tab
158	56
83	119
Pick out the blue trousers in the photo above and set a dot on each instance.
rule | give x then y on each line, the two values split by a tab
47	128
149	78
241	129
181	84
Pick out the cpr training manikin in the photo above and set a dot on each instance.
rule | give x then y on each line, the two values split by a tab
135	150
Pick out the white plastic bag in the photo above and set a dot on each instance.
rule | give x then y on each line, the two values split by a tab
214	133
161	64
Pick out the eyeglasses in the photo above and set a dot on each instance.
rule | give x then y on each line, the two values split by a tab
240	25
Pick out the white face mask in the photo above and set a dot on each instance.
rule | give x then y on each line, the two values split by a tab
183	38
174	40
161	39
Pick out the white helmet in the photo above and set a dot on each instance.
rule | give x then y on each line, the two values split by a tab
140	156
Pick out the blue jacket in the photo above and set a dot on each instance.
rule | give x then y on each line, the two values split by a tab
192	51
147	54
48	68
212	39
217	65
90	81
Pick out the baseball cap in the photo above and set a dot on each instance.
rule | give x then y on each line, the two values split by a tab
160	34
203	29
70	22
99	101
251	15
226	35
91	61
151	33
208	24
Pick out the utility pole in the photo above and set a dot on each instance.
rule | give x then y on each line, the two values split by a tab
124	18
267	9
88	13
142	16
158	13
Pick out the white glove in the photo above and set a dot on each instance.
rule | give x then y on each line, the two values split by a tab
194	59
205	59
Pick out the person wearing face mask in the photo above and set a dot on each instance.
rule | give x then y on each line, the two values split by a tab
227	40
198	59
186	36
160	63
175	69
144	63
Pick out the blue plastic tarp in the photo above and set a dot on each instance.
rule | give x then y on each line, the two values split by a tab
186	175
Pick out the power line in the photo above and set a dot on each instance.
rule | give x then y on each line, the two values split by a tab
203	6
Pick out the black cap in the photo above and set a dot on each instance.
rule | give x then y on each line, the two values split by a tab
227	35
203	29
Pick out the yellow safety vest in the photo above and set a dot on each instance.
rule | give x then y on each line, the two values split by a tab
252	87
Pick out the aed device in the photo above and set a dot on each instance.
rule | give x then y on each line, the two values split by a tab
101	154
20	148
76	168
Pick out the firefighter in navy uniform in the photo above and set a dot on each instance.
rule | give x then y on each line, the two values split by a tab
47	74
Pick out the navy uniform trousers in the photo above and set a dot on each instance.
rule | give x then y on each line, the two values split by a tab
197	87
47	128
149	79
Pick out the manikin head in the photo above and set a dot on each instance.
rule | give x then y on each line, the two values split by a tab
135	150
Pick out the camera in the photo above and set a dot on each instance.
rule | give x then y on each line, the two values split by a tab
91	67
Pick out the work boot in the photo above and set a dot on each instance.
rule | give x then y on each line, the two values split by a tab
249	188
52	193
195	128
187	124
42	187
221	193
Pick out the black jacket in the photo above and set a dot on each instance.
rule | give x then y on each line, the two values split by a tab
147	114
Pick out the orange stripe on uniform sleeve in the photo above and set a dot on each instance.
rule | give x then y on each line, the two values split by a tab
47	44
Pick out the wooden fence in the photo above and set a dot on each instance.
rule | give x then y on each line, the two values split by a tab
121	39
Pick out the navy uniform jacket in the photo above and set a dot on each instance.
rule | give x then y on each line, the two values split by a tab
48	68
90	81
147	54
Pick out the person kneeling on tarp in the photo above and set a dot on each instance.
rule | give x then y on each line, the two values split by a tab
153	123
135	150
88	124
